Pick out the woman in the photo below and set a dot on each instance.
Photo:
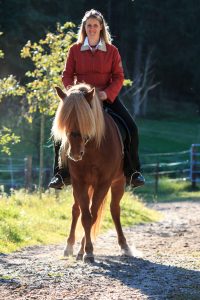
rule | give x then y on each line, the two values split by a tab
94	60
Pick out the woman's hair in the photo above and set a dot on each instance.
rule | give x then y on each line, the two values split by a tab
104	34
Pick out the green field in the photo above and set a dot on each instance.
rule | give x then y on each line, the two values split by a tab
26	220
168	135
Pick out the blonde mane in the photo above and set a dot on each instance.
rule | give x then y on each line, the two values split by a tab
74	113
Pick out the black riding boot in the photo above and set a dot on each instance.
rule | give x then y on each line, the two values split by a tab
132	172
61	175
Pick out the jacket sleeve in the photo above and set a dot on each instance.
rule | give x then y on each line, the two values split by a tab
117	77
68	75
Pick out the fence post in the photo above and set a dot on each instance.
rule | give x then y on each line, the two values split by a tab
156	178
11	172
193	166
28	172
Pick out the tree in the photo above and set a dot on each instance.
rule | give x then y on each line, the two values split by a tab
47	56
8	87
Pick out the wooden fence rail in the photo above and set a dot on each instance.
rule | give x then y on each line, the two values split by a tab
184	165
195	164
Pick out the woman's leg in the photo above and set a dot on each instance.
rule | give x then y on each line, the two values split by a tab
61	175
132	149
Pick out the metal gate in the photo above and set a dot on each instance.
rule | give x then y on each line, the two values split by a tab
195	164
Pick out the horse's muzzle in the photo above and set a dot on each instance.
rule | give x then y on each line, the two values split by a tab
76	157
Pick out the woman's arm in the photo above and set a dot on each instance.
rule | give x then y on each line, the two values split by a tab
68	75
116	84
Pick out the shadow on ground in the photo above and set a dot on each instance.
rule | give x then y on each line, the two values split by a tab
155	280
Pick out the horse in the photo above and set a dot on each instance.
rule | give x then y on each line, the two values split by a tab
93	151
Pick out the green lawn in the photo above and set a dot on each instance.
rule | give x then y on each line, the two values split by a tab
27	220
168	135
169	190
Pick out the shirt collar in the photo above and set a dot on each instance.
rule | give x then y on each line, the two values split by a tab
100	46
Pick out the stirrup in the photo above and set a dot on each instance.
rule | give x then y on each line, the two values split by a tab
136	181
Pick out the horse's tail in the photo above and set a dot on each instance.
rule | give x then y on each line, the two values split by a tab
100	214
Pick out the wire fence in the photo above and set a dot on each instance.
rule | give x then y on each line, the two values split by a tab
184	165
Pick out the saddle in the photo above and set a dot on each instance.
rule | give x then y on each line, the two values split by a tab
122	127
125	136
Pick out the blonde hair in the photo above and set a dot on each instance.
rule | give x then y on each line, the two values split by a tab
74	111
104	34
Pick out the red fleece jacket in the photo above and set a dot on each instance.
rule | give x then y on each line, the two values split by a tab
100	69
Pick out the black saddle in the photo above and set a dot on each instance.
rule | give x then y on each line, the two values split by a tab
126	138
121	124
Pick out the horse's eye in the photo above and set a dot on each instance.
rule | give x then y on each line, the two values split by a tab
75	134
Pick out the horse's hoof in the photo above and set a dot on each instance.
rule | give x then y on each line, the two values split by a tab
127	252
68	251
79	256
88	258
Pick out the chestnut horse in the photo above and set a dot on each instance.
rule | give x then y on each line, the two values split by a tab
94	154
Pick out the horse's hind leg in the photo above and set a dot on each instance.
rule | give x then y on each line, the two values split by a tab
117	191
71	239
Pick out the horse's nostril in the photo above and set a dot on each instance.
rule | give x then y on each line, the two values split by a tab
81	153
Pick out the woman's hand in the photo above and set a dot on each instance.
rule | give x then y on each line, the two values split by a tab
102	95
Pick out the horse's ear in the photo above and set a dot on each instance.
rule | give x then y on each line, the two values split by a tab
60	92
89	95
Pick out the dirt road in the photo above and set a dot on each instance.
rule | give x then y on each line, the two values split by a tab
168	266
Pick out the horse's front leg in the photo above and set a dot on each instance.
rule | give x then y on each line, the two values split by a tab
81	193
71	239
117	191
81	250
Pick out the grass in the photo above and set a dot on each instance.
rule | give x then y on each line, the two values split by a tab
26	220
168	135
169	190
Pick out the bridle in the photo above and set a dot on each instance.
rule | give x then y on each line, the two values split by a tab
76	134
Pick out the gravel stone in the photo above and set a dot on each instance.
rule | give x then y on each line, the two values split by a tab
166	264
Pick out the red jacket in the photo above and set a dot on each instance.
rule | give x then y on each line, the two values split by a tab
102	69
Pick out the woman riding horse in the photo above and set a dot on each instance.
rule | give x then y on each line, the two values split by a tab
94	60
87	135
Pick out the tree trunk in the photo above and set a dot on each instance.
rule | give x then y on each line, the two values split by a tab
136	79
42	123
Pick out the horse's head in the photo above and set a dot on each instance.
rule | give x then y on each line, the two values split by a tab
78	119
77	145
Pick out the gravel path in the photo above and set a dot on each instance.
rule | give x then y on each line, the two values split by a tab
168	269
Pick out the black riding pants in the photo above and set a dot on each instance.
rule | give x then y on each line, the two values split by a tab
133	157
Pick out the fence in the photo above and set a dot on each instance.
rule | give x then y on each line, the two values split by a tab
21	173
195	164
184	165
174	165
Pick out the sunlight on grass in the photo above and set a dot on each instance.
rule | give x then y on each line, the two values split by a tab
26	220
169	190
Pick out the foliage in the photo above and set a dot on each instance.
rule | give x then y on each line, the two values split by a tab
25	220
1	52
8	86
168	27
48	56
7	138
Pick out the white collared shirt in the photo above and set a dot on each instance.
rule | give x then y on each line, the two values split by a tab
100	46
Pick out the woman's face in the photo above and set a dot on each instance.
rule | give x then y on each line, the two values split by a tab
93	29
